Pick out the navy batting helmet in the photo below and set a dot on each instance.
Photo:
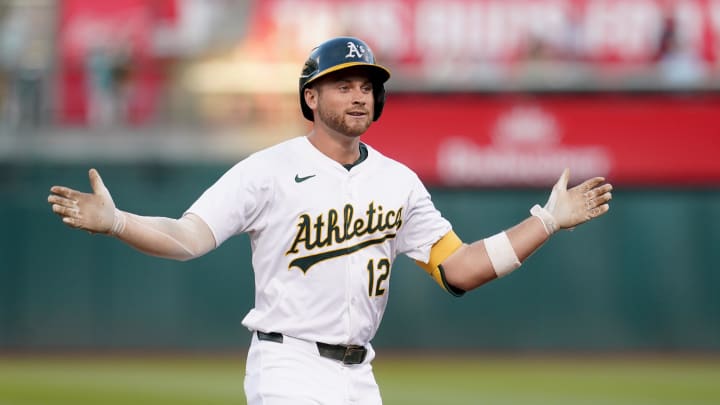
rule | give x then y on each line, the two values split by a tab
342	53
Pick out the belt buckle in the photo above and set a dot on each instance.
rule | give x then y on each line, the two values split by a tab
354	355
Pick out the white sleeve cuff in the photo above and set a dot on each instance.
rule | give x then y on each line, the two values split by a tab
547	219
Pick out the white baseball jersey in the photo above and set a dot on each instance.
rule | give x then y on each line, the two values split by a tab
323	238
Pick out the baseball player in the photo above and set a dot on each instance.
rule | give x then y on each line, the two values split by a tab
327	215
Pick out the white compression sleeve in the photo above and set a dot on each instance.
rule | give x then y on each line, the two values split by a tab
180	239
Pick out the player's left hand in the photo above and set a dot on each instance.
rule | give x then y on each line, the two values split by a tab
572	207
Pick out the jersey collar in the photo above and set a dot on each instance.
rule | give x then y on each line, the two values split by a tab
363	156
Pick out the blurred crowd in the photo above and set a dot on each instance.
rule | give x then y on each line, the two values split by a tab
85	63
26	53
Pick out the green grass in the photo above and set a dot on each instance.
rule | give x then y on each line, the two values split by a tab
548	380
474	379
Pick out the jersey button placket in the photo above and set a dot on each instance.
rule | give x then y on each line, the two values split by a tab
347	193
356	271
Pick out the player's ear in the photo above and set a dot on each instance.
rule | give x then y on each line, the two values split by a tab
311	97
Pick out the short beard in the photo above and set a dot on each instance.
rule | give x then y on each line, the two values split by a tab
337	123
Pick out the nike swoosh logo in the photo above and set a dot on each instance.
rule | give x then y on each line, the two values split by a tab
299	179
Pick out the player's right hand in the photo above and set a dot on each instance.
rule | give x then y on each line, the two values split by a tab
93	212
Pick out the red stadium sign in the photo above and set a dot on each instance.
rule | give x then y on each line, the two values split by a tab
415	32
473	140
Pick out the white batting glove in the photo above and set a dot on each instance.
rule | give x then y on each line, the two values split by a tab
94	212
566	209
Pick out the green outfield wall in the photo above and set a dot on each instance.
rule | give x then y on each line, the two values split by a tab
644	277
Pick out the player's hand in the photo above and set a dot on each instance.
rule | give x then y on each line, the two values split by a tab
93	212
579	204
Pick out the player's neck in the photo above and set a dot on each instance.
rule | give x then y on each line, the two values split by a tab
340	148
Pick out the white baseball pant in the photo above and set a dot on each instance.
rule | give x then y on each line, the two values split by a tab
294	373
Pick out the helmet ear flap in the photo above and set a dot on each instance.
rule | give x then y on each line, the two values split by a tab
379	93
310	68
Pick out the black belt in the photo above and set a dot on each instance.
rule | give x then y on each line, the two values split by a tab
346	354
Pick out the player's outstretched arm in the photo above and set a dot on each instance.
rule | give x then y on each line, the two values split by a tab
179	239
475	264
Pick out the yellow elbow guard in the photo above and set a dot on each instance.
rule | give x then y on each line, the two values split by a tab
441	250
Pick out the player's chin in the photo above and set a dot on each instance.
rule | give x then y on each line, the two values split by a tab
356	125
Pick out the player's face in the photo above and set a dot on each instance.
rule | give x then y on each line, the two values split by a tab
345	103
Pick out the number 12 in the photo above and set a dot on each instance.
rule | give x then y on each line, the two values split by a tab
377	275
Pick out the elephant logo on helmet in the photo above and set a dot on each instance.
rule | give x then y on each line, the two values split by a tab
355	51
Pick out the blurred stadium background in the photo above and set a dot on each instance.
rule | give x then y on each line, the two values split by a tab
489	100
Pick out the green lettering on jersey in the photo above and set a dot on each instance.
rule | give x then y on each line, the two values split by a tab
330	230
